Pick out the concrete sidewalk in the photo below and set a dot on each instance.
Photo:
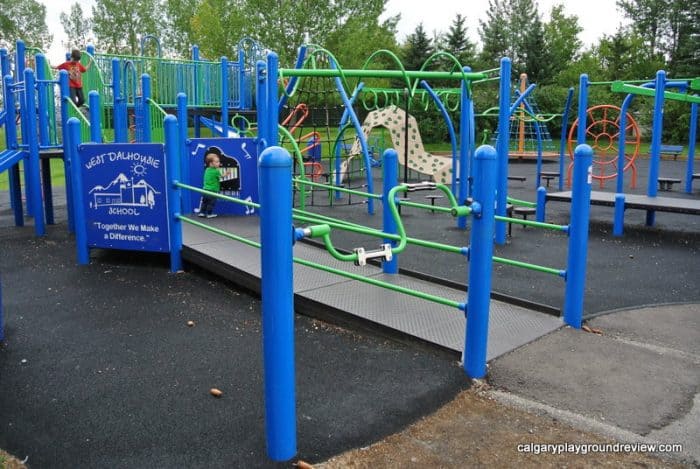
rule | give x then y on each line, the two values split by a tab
639	380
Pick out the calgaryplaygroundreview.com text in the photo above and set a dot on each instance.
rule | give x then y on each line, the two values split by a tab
588	448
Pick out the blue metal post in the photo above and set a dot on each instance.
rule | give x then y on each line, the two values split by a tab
619	217
360	135
271	94
120	114
655	149
582	110
578	236
261	99
183	160
502	147
242	82
562	139
541	203
172	175
464	149
145	108
95	117
32	175
691	147
81	244
224	96
480	262
275	175
390	174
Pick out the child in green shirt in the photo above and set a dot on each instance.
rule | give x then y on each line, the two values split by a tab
211	183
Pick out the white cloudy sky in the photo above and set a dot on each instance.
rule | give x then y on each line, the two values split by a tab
597	17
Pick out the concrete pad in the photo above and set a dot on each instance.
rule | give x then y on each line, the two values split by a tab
630	386
674	326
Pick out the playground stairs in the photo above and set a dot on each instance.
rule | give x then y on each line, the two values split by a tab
9	158
357	305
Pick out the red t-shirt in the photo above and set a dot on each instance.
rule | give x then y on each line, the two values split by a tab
75	71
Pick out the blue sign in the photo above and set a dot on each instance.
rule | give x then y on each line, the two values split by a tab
124	191
239	171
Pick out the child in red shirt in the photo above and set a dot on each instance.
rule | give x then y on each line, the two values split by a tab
75	76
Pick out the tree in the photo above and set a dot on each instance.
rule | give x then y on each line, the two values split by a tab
118	24
648	18
24	20
217	26
179	35
505	31
538	59
561	36
76	26
358	38
417	48
457	42
494	34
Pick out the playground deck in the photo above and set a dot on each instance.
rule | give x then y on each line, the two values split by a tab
346	301
641	202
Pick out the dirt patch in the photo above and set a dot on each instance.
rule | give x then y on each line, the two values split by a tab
476	431
7	461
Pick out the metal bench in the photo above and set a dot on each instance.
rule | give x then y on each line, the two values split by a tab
666	184
548	176
672	150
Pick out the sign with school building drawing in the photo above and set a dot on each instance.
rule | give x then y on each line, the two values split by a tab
124	192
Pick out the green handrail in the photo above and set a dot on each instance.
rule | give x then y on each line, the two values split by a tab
342	273
620	87
158	115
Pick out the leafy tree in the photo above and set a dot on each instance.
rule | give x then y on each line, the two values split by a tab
24	20
457	42
118	24
561	36
417	48
357	39
178	34
76	26
217	26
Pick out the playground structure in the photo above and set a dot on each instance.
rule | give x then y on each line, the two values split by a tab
651	203
607	136
99	187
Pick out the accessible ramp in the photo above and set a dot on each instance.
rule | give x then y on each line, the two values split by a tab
354	304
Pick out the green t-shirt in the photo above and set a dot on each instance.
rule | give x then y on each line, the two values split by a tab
211	179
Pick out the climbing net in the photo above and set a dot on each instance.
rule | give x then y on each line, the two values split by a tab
314	129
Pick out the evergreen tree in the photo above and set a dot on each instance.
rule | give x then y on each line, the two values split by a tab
457	42
648	18
538	60
76	26
494	34
417	49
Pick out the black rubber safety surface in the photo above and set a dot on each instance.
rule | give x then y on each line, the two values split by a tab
99	367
